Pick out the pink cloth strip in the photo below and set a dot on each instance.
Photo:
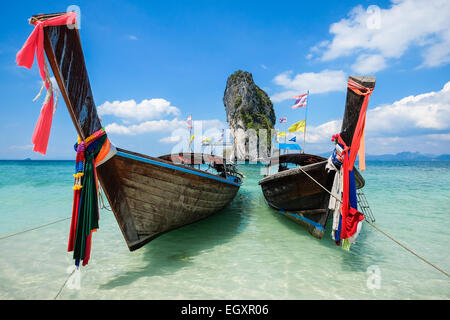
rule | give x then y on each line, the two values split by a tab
25	58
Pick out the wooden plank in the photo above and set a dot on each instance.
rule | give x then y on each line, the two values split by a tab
69	56
171	181
161	173
149	186
172	210
353	106
116	197
58	76
293	190
162	218
214	177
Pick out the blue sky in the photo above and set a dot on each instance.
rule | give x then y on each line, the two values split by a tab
153	63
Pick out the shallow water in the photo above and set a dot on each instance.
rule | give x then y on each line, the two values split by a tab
246	251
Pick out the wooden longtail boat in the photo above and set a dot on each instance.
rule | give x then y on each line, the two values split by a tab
296	195
148	196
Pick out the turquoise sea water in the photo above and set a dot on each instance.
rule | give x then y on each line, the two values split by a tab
246	251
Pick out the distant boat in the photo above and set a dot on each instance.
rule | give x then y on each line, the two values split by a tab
148	196
296	195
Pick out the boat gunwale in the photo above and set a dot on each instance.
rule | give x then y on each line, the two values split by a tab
290	172
164	163
295	158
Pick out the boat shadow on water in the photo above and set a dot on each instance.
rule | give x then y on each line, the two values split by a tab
177	249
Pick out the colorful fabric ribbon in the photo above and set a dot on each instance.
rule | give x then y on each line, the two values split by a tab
350	216
25	58
85	211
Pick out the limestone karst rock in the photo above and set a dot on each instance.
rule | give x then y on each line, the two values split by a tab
248	108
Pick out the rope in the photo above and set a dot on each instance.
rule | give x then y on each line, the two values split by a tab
404	247
38	227
102	206
101	200
64	284
379	230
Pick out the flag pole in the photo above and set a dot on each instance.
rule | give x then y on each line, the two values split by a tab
285	135
190	135
306	112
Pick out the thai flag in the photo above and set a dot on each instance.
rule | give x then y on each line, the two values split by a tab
283	120
189	122
300	101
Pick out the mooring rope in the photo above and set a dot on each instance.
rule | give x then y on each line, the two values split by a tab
34	228
101	200
39	227
64	284
379	230
101	205
411	251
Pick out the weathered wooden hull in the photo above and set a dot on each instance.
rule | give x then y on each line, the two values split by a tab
149	196
298	197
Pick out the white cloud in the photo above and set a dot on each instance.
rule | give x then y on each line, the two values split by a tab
323	132
164	126
131	37
427	111
388	33
415	123
145	127
439	53
171	139
321	82
367	64
209	125
146	109
203	129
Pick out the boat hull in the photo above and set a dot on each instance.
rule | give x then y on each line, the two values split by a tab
298	197
150	197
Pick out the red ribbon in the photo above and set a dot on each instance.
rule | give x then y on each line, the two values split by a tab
350	216
25	58
359	130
